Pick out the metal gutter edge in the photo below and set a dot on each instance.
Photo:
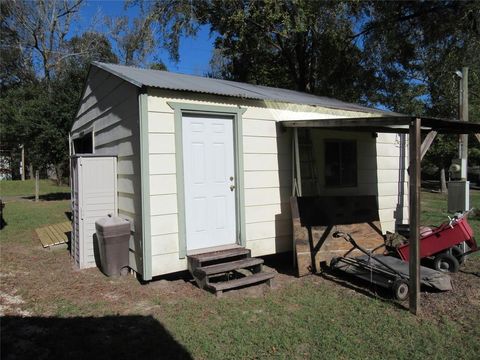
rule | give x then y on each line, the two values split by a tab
145	185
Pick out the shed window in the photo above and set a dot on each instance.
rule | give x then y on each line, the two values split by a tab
83	144
340	163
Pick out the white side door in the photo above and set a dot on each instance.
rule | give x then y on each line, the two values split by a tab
209	171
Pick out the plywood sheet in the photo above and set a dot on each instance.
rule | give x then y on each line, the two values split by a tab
315	219
54	234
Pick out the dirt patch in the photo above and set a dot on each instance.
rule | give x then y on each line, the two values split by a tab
40	282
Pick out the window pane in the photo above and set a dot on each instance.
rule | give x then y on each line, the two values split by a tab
340	163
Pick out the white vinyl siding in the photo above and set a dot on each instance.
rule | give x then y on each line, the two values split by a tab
110	105
267	172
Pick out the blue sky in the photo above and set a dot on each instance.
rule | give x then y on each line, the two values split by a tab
195	53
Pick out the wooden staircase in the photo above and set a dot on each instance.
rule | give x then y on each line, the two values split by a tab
223	270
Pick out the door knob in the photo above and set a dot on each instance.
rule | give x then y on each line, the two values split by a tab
232	187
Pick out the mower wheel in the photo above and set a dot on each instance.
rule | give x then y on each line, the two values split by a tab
446	262
400	289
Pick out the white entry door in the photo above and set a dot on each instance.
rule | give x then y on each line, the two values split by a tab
209	177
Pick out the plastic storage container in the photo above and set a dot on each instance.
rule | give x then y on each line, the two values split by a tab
113	234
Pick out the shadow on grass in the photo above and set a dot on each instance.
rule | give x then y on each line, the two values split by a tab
110	337
362	287
51	196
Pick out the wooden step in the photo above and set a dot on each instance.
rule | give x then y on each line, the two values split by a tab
222	254
228	266
218	288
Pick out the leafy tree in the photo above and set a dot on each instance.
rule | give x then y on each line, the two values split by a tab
302	45
416	47
159	65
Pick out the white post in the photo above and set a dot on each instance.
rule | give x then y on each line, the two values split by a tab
298	176
23	163
37	185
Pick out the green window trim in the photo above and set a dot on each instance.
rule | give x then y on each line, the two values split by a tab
237	112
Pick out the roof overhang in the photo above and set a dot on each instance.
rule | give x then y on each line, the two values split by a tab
387	124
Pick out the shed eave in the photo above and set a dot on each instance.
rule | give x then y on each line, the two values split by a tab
395	124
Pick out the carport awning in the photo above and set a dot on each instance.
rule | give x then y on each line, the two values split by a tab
412	125
389	124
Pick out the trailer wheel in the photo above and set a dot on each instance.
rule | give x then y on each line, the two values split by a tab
457	252
400	289
446	262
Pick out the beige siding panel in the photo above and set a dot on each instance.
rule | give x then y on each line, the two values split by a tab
388	226
161	123
121	148
390	202
163	184
164	224
100	93
265	179
386	189
161	143
126	184
124	113
163	204
110	135
126	203
164	244
267	196
96	78
388	138
125	166
388	150
386	215
161	164
266	145
388	163
125	95
254	214
262	230
266	162
259	128
262	247
167	263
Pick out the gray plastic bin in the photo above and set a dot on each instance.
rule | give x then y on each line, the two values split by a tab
113	234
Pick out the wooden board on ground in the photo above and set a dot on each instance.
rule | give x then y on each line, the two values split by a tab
54	234
316	218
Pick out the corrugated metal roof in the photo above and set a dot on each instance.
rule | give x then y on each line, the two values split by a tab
173	81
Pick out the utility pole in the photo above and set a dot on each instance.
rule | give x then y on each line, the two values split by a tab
463	150
459	187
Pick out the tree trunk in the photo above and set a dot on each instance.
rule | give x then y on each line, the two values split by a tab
30	171
59	173
443	181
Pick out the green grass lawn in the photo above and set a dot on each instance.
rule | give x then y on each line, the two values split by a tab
434	209
27	188
308	318
23	217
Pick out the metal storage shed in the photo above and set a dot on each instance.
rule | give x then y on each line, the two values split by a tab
152	121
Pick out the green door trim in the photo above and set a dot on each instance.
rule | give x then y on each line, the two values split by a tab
145	185
236	112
